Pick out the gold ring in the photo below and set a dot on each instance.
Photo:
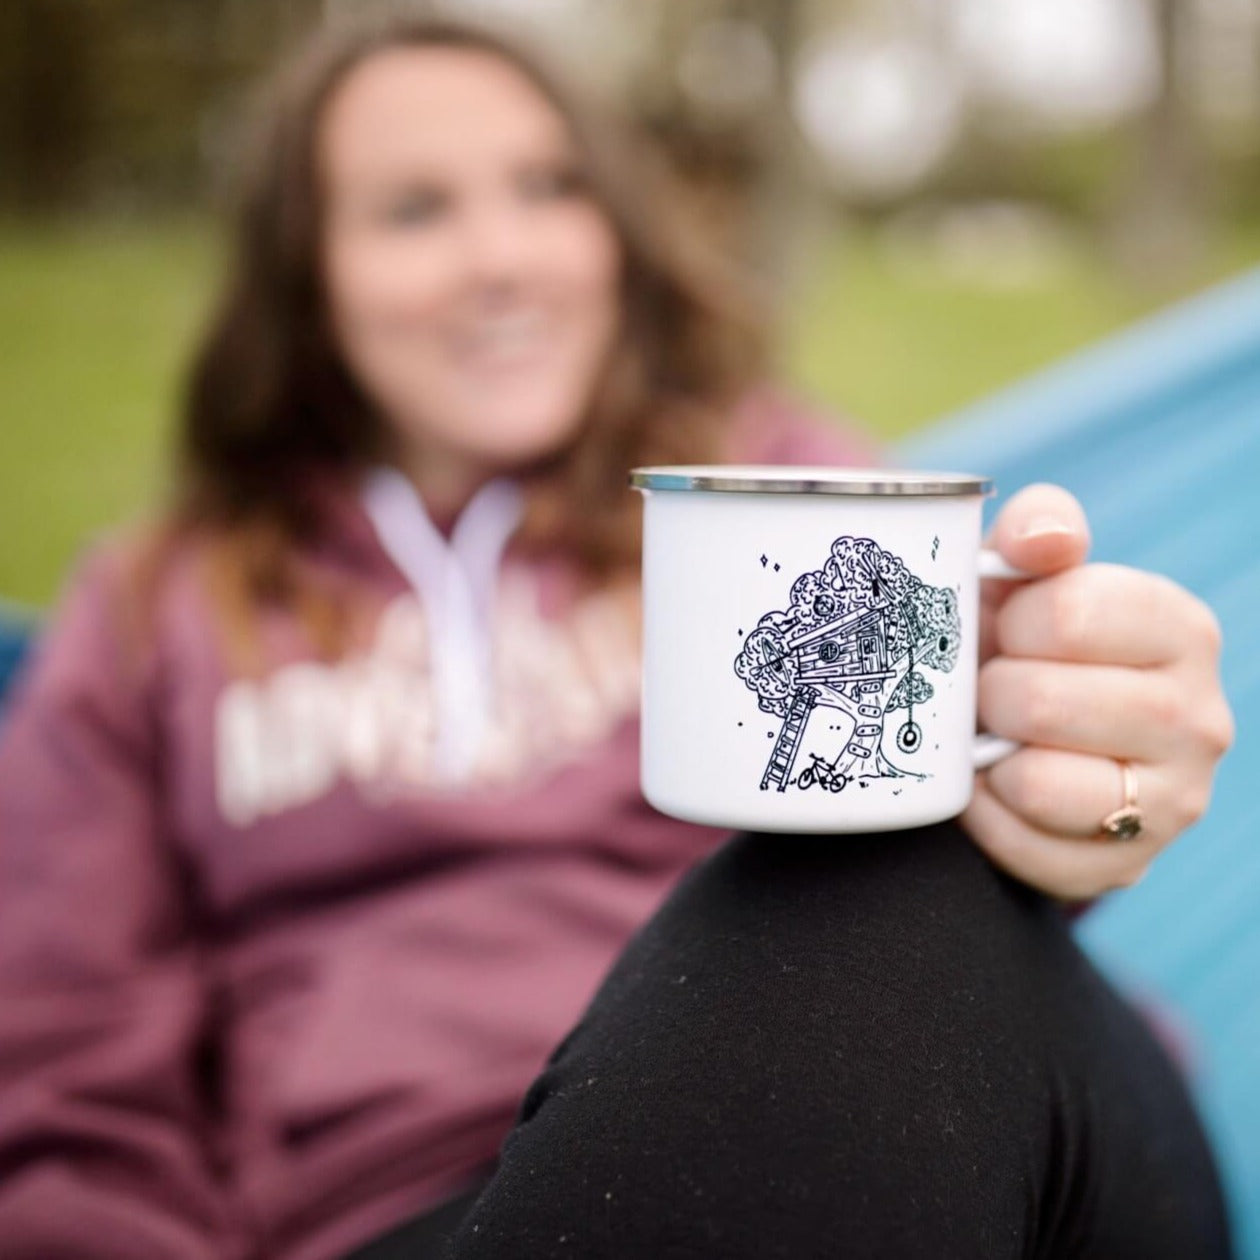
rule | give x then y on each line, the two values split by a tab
1126	822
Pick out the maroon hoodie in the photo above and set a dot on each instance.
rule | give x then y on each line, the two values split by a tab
271	979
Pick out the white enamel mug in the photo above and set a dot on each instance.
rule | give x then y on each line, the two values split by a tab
811	644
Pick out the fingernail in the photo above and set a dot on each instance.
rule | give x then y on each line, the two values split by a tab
1045	527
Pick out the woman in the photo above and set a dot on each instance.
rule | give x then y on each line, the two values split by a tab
319	809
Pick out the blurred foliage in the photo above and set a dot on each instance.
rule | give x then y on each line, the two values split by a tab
118	103
96	323
118	121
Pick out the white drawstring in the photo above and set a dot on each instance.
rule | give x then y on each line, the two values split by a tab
456	583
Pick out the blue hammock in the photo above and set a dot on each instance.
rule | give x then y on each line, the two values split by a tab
17	630
1157	432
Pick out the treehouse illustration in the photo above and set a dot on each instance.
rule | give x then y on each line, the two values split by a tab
850	640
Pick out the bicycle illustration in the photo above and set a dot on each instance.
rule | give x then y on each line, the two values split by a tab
824	773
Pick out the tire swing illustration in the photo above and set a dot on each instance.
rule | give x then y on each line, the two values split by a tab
910	734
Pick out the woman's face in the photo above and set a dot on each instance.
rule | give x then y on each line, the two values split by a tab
472	281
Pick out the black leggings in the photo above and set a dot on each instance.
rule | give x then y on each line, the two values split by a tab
854	1046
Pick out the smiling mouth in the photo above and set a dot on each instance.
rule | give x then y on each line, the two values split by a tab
505	341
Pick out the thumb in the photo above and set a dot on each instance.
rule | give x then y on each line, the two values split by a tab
1041	529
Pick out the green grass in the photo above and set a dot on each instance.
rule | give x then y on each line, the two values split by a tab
94	328
898	345
95	325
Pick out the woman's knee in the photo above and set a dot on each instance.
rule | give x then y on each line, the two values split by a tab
798	1043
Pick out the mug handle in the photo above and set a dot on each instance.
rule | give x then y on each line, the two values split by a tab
987	750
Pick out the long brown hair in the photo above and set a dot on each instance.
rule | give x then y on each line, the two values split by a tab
270	400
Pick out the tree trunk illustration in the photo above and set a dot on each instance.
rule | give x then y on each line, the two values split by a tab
863	755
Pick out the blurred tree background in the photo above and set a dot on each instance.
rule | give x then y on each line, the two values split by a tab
941	195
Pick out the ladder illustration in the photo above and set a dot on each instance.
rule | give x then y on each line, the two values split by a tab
779	767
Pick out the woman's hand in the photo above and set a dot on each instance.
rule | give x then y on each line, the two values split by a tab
1089	666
